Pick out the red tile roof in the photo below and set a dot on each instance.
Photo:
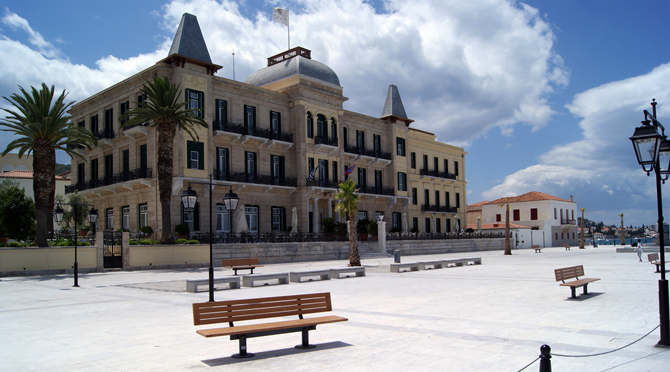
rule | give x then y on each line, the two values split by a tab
26	175
528	197
476	206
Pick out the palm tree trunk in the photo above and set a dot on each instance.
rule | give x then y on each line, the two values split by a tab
354	255
508	247
44	162
164	165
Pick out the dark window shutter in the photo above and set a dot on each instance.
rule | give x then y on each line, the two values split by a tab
200	148
282	164
143	156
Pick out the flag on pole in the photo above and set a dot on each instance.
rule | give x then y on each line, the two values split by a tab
348	171
280	15
311	174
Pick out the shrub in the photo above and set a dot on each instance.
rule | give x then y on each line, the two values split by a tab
181	241
64	243
146	242
15	244
414	230
374	229
470	230
328	225
84	244
395	230
134	242
182	229
147	230
193	242
121	229
362	226
341	228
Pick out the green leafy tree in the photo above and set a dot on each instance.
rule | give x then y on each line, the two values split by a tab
349	204
17	212
165	110
42	127
68	214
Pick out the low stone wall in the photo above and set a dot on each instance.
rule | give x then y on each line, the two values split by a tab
268	253
423	247
47	260
138	257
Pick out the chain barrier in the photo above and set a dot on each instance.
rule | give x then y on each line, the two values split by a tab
530	364
606	352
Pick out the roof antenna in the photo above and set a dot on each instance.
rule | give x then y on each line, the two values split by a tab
233	64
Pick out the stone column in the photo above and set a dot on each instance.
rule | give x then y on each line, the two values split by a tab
125	250
329	213
99	242
381	237
315	215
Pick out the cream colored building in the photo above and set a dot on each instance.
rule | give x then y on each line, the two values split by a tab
265	138
25	181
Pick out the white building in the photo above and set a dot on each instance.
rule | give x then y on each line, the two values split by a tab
551	219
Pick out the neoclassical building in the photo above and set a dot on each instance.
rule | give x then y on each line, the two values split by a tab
266	137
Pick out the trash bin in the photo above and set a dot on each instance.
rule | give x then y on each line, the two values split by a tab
396	256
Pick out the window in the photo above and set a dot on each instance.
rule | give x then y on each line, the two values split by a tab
333	129
455	168
125	160
277	168
250	165
498	217
415	223
400	146
396	223
110	219
425	162
275	122
222	162
573	235
448	227
222	219
252	218
447	199
143	157
321	126
435	164
335	171
437	198
109	123
195	152
123	108
144	215
377	144
310	165
438	225
402	181
378	179
81	177
82	124
250	119
360	140
125	217
426	197
362	179
94	124
555	214
278	219
109	166
414	196
94	169
458	200
141	99
446	166
362	215
221	113
310	125
516	215
194	101
427	224
345	140
323	171
533	214
412	160
556	236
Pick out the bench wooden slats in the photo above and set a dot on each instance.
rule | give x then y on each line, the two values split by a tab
240	264
654	260
573	272
537	249
264	308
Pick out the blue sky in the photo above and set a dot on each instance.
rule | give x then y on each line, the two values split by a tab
542	94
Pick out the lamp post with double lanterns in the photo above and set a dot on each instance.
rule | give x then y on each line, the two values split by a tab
92	217
188	199
653	154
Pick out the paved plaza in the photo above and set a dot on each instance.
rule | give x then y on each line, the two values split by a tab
488	317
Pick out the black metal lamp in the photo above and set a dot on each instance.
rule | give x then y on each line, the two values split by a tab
646	142
188	199
230	201
92	216
58	215
664	159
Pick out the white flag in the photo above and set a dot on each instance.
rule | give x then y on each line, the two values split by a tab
280	15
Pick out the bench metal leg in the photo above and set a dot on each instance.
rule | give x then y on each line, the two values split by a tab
243	349
572	289
305	341
585	286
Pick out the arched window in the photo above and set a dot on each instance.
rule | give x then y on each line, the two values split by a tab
321	126
310	125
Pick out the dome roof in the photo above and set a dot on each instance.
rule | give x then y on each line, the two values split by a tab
294	66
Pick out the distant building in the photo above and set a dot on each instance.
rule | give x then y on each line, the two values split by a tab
551	219
25	180
474	211
12	162
598	236
520	234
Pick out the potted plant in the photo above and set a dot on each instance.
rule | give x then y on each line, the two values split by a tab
182	231
374	230
328	226
362	229
147	230
84	229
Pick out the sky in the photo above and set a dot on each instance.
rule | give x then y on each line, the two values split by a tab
542	94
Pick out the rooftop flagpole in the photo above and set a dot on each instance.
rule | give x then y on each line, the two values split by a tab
281	15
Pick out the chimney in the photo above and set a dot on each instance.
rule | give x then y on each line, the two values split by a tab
571	198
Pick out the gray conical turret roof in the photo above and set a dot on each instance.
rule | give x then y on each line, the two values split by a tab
188	41
393	106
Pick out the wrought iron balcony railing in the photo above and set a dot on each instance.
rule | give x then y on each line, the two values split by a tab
367	152
261	179
333	184
438	208
376	190
134	174
434	173
325	140
105	134
251	131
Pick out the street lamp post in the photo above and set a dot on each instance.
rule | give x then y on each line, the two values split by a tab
189	197
581	239
653	153
623	239
92	217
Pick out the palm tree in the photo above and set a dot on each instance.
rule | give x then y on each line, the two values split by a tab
43	127
508	247
349	204
165	112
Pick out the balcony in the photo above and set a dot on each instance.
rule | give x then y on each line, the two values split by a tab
246	178
371	155
436	174
438	208
118	178
324	183
376	190
245	133
105	137
135	130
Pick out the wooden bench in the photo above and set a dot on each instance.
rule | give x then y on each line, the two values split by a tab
475	261
654	260
295	277
454	263
241	264
264	308
566	246
249	280
427	265
537	249
573	272
357	270
193	284
409	266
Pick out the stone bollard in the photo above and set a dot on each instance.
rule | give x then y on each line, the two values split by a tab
545	358
396	256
